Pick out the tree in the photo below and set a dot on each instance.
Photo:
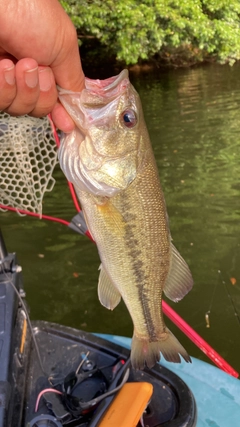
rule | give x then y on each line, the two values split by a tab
134	30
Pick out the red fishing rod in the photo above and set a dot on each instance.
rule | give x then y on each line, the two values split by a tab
78	224
198	340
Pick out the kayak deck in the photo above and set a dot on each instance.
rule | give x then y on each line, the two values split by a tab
216	393
62	348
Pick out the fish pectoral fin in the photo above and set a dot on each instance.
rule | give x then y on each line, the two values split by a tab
179	280
111	217
108	295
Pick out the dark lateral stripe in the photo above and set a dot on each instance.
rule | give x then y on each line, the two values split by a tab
134	252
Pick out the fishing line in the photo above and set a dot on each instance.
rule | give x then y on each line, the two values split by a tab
27	315
230	297
207	314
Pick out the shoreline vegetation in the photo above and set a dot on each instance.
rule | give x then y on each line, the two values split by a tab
156	33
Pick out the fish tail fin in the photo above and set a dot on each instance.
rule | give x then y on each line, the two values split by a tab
147	353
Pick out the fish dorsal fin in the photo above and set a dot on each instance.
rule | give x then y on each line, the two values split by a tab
108	295
179	280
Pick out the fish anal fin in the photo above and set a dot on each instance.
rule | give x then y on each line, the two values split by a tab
108	295
147	353
179	280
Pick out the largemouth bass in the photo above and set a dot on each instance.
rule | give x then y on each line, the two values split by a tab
109	159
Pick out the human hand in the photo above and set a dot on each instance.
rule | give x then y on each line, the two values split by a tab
38	49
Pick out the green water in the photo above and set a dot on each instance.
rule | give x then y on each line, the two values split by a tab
193	119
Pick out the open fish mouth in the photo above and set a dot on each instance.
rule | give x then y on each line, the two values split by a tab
98	156
110	87
91	105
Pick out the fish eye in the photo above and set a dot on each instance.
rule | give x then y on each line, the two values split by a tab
129	118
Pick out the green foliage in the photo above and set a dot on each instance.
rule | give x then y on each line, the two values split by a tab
134	30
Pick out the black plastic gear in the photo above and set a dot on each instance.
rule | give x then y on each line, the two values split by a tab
45	421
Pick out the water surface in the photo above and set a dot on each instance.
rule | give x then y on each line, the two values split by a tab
193	120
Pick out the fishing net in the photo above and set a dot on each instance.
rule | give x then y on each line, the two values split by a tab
28	155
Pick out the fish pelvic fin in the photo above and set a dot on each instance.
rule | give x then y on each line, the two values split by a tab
179	280
147	353
108	294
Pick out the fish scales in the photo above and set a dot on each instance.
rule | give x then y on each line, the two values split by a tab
124	207
136	254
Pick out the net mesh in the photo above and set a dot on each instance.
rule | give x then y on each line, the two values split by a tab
28	155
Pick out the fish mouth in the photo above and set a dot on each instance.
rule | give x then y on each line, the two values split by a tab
108	87
82	106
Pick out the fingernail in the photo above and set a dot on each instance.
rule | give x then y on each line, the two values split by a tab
9	75
45	79
31	78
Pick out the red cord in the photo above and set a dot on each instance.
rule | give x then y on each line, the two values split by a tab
22	211
47	390
74	197
54	131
